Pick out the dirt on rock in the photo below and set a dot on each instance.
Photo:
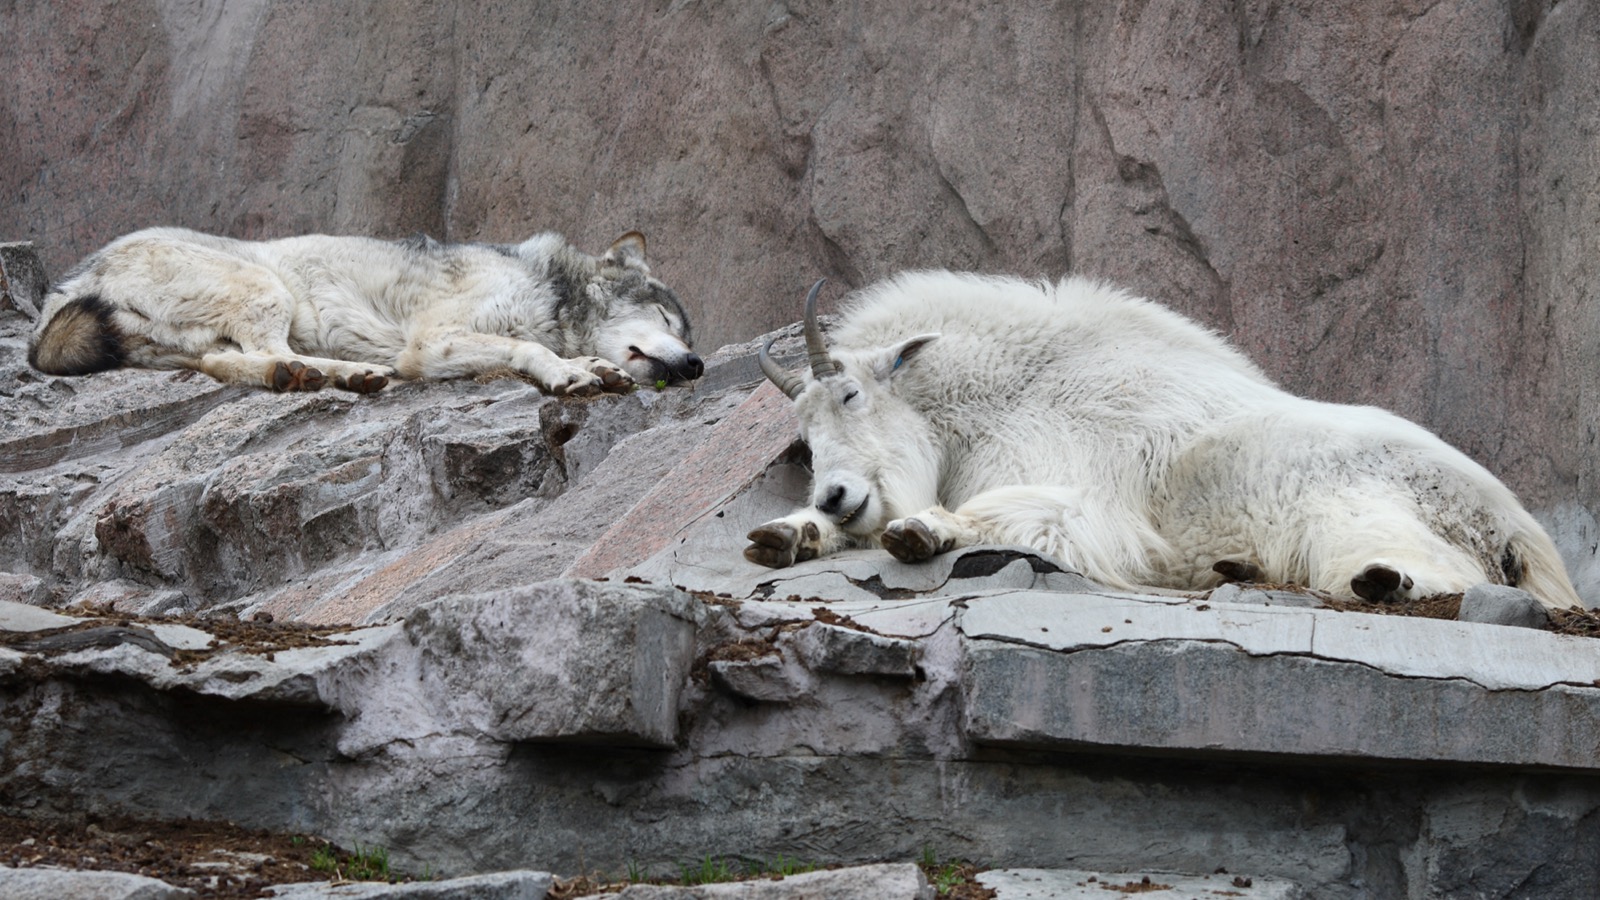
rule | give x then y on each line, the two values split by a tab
213	859
102	627
1578	622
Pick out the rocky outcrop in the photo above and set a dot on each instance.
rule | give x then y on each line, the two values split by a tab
1384	203
493	630
1387	203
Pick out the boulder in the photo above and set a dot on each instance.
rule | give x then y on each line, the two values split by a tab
880	882
511	885
54	884
1497	604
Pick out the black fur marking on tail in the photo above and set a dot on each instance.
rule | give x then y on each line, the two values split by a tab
80	338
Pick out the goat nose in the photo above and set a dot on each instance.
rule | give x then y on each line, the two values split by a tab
833	504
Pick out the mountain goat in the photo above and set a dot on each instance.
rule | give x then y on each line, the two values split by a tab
1129	443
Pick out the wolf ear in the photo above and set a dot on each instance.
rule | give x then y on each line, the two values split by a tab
625	250
892	360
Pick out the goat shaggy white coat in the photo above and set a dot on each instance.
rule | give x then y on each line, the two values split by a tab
1129	443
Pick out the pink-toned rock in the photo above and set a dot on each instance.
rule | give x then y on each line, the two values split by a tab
735	453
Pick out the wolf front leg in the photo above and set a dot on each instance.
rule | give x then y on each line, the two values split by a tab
288	371
801	535
455	353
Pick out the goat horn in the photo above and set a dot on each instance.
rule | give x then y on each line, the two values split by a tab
788	382
822	365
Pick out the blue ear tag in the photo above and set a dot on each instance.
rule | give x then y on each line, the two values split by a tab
897	361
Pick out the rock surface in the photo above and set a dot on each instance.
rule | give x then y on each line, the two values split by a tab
539	646
1042	884
881	882
54	884
520	885
1385	203
1497	604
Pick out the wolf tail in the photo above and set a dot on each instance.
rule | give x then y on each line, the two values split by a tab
79	339
1531	562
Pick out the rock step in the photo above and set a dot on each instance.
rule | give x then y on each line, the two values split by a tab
887	881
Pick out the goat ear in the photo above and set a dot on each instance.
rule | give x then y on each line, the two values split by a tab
893	359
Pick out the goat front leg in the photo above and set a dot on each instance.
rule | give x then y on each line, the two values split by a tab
1048	518
933	531
797	537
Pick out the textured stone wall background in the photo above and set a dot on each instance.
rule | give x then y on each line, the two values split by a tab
1396	203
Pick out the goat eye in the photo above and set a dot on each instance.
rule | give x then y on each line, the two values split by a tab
848	397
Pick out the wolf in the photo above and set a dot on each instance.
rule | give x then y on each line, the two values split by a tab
298	313
1131	444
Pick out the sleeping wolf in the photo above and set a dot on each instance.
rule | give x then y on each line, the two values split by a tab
296	313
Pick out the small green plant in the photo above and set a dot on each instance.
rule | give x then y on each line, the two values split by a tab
323	859
661	384
709	871
297	840
946	875
946	879
635	873
786	867
368	864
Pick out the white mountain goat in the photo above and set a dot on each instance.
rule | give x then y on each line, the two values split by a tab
1128	443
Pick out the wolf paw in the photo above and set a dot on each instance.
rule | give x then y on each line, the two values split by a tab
911	540
1379	583
576	385
362	382
612	378
297	376
571	378
779	544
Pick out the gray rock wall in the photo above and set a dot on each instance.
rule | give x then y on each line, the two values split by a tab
1388	203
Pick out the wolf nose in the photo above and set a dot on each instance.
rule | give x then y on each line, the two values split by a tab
688	370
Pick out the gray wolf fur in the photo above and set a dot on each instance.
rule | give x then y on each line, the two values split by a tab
1129	443
298	313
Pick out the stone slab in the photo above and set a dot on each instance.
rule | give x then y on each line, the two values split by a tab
23	617
515	885
294	676
566	661
1070	884
1492	657
735	453
889	881
1173	677
916	618
60	884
